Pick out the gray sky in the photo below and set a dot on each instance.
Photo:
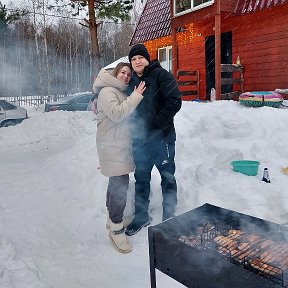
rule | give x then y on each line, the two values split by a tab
10	3
6	1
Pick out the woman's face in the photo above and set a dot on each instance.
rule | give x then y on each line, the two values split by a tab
124	75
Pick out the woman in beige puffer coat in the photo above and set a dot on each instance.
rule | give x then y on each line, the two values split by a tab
114	143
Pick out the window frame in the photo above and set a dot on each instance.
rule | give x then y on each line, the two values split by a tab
201	6
167	49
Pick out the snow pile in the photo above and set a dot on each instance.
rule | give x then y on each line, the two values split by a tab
52	195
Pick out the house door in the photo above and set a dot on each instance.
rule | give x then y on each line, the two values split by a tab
226	58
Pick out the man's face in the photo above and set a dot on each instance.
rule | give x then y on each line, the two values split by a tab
138	63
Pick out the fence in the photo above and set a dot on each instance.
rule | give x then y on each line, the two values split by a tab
32	100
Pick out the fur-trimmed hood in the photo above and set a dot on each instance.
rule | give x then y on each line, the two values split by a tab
105	79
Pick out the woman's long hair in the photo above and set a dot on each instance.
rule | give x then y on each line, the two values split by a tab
118	68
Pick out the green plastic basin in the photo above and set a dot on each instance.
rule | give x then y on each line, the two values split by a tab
247	167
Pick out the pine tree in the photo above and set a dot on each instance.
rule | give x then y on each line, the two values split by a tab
7	18
99	10
106	9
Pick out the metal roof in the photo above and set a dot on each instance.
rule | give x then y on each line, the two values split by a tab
154	22
247	6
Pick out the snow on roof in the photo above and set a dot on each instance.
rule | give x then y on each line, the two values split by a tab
113	65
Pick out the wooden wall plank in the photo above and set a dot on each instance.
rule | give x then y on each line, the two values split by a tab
260	39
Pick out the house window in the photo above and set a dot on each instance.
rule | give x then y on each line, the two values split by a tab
185	6
182	5
165	57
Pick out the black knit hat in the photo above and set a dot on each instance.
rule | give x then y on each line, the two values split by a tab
139	49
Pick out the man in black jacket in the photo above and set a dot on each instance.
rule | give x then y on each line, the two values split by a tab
153	134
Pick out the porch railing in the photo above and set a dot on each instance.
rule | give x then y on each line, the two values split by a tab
232	74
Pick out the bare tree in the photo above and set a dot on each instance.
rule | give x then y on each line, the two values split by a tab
54	54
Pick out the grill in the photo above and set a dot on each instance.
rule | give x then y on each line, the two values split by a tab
214	247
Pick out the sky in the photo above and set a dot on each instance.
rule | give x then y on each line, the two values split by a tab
6	2
52	195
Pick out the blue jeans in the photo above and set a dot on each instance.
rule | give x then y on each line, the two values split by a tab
161	154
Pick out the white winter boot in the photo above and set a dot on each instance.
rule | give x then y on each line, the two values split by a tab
118	237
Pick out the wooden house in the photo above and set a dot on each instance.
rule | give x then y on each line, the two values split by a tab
197	37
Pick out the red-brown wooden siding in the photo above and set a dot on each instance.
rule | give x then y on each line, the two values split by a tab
192	56
261	41
195	17
259	38
262	47
228	5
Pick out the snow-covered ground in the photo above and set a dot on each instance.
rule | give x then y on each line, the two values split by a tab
52	195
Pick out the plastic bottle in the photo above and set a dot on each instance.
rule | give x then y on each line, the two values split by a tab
266	176
238	62
213	95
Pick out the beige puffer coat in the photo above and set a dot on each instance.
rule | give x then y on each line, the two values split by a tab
113	134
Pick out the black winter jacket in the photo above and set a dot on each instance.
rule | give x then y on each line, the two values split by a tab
154	116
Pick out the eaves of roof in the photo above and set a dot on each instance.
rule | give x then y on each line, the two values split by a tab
248	6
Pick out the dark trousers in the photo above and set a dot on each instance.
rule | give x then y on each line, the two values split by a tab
161	154
116	197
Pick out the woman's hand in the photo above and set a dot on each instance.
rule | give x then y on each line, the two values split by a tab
141	88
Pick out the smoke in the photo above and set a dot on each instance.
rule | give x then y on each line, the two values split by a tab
187	241
24	72
14	75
